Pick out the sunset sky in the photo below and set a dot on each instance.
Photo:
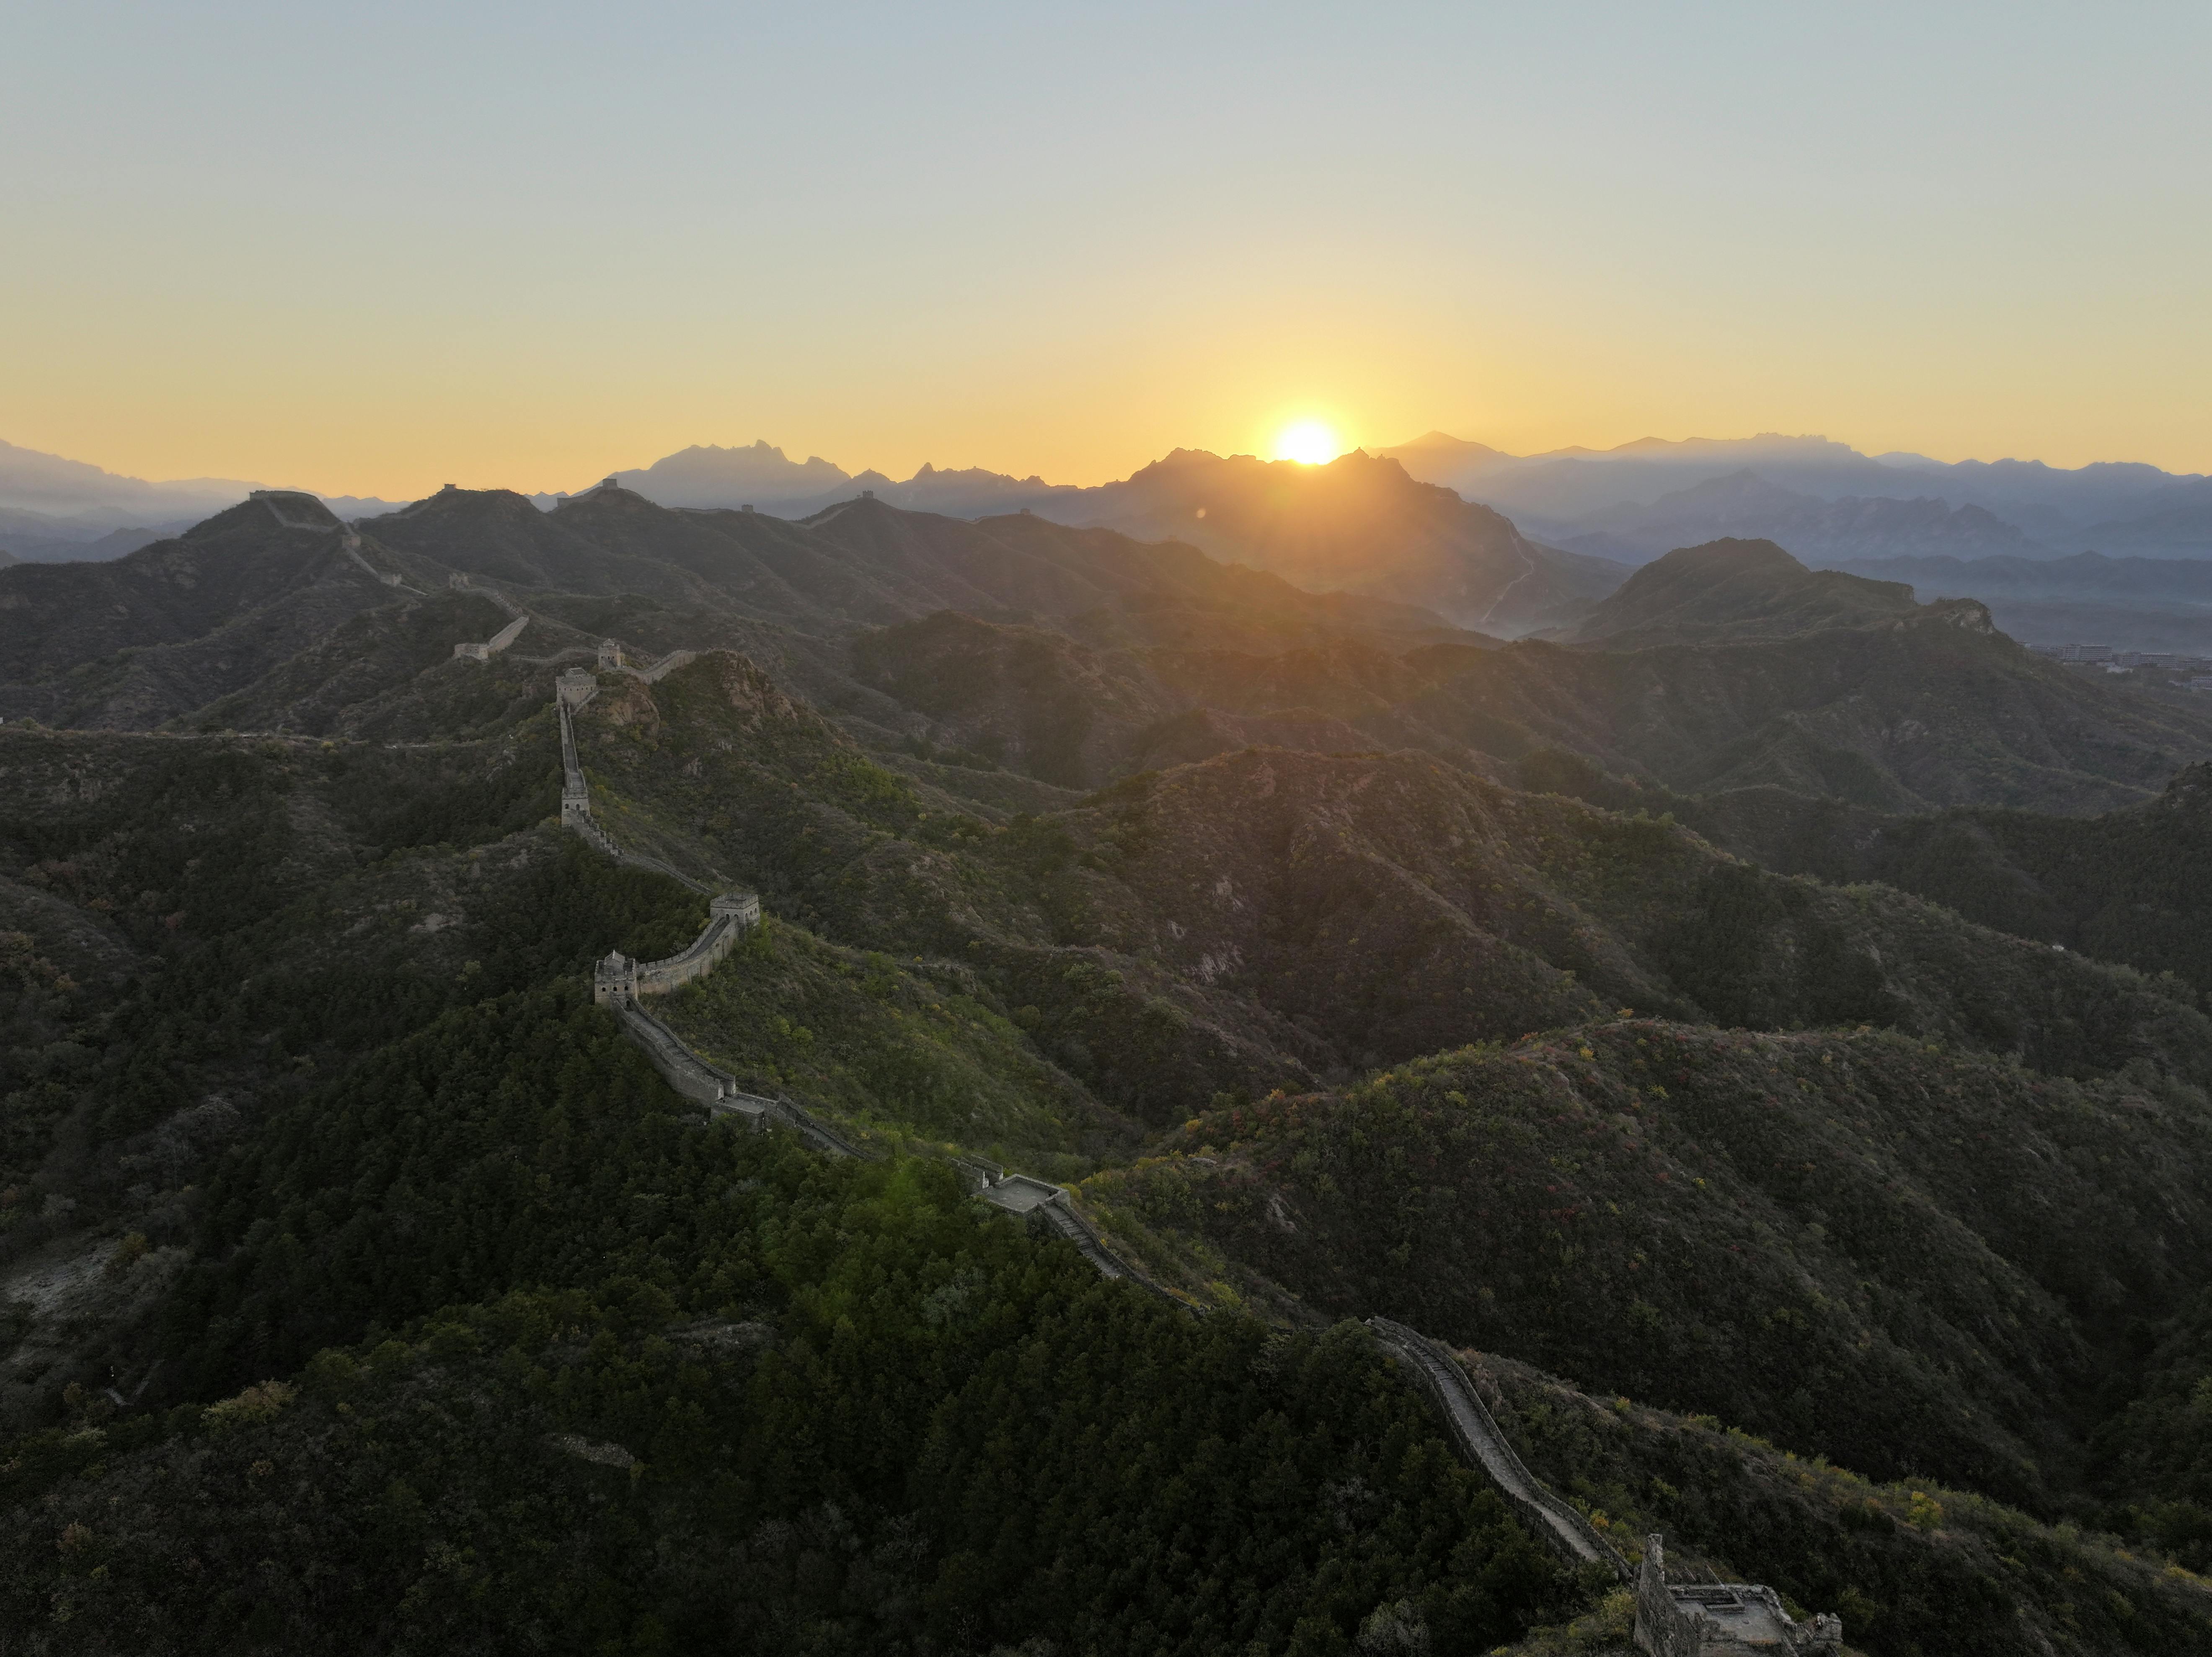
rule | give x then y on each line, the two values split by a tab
371	249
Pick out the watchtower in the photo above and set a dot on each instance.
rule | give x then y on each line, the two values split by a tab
614	980
610	653
1722	1619
743	908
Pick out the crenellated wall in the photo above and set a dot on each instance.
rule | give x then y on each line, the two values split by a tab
351	540
499	640
667	665
571	691
296	510
618	982
702	1083
620	979
613	659
492	647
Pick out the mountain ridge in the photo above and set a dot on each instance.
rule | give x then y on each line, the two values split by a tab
1745	589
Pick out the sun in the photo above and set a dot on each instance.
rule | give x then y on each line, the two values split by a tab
1309	442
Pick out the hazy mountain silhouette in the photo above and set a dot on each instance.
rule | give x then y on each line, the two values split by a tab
63	489
763	477
1561	496
1565	486
1357	524
1746	503
54	509
2131	604
2181	527
705	476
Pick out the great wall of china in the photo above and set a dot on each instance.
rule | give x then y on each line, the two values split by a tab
1673	1619
499	640
1439	1375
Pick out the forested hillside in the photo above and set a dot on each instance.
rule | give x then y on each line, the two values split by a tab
1915	712
365	1288
716	1394
2120	887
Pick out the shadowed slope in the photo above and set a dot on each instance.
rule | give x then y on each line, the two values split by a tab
128	643
1904	1260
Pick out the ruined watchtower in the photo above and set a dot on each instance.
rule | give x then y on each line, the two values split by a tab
1721	1619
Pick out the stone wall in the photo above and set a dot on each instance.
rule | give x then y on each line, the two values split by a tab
703	1083
296	510
351	540
619	979
1721	1619
681	1068
612	659
1714	1619
1553	1521
1662	1629
618	982
571	691
498	641
667	665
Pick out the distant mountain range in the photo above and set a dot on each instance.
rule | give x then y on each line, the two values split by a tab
762	475
2130	604
1745	504
54	510
1528	544
1645	498
1823	499
1359	524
